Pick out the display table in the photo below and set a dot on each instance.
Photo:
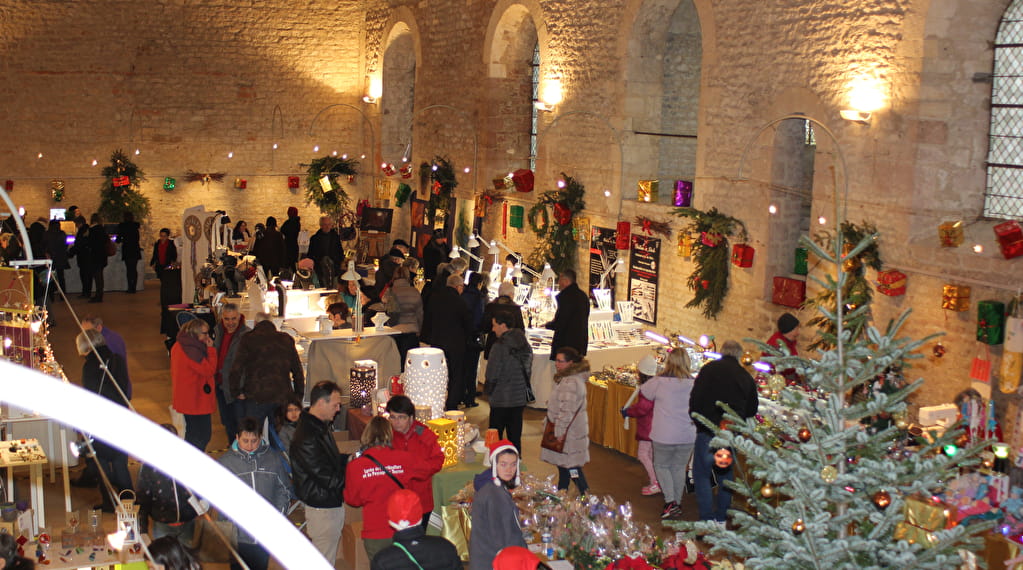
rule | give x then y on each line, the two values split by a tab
26	453
356	423
331	356
607	427
457	521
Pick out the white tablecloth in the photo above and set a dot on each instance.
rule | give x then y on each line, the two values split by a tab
114	276
543	366
332	358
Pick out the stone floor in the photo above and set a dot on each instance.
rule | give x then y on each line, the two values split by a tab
136	317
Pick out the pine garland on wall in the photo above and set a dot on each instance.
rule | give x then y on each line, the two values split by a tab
857	292
120	190
557	244
711	254
322	187
441	174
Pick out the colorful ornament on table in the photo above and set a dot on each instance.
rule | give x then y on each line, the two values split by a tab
516	215
801	262
293	182
651	227
891	283
788	292
623	235
169	183
57	190
241	183
951	234
955	298
522	180
991	322
648	190
683	194
742	255
1010	239
362	383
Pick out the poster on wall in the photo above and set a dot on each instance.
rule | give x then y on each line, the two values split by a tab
644	259
602	256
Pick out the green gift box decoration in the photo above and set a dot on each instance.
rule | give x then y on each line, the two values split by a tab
802	255
991	322
515	216
169	183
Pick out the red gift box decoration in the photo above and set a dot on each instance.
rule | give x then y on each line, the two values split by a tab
119	181
523	180
241	183
406	171
1010	239
8	185
891	283
293	182
742	255
562	214
388	169
788	292
710	239
623	235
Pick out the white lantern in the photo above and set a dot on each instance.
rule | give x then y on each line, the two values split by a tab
426	379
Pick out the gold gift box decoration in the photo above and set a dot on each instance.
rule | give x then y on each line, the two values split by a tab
647	191
685	244
383	189
951	234
447	437
955	298
923	518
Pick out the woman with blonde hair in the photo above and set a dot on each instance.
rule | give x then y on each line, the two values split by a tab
193	365
672	432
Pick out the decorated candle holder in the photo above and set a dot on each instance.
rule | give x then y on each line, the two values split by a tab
423	413
447	436
458	417
362	382
426	379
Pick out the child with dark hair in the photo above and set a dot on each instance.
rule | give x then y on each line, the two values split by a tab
287	420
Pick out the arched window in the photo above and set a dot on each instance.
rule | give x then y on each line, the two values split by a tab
535	112
1004	195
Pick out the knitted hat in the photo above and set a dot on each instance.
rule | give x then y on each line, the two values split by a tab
787	322
515	558
497	448
648	365
292	211
404	510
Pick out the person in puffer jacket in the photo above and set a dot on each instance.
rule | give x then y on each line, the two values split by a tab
508	372
263	469
165	501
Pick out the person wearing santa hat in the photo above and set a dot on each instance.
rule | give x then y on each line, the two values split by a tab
517	558
495	518
412	549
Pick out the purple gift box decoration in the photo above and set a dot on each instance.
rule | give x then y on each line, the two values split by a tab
683	193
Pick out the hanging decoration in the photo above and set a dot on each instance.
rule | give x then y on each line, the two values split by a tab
402	195
856	292
116	198
241	183
581	228
515	215
788	292
1010	239
490	196
955	298
406	171
57	190
442	175
204	177
623	236
742	255
294	182
169	183
647	190
8	185
388	169
990	322
522	179
557	241
322	187
709	279
801	262
683	196
685	244
891	283
651	227
951	234
1012	353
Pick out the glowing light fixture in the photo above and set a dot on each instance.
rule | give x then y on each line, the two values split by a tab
316	148
865	97
977	248
95	162
375	91
772	209
822	220
551	95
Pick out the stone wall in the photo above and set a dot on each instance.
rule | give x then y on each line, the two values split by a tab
187	83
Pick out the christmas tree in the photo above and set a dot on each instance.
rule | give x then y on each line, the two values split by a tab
827	485
120	190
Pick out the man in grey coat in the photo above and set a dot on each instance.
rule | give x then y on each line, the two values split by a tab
508	372
229	330
263	469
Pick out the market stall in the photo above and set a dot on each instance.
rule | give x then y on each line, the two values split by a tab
331	356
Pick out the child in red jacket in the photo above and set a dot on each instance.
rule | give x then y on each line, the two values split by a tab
643	411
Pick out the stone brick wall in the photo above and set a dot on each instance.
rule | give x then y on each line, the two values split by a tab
204	79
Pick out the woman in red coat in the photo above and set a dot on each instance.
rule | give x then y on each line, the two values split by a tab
193	364
373	475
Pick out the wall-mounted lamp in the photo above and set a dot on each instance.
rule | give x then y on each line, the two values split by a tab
551	95
375	90
865	97
855	116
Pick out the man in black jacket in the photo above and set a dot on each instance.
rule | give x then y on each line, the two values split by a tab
725	381
412	549
325	251
319	469
447	325
571	324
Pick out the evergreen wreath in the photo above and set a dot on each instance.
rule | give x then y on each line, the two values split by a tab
557	244
115	200
711	254
856	290
332	202
441	175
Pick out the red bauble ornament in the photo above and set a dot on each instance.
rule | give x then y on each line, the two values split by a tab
562	214
804	435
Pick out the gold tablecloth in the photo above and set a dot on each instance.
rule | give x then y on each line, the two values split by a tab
603	405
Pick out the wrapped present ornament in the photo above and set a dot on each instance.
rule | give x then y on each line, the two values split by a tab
293	182
402	194
581	228
516	215
924	517
801	265
991	322
8	185
711	239
522	179
742	255
119	181
241	183
850	263
788	292
648	190
955	298
623	235
1010	239
388	169
562	214
685	244
406	171
382	189
169	183
891	283
951	234
683	196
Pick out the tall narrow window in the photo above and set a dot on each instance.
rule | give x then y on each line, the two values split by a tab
534	112
1004	195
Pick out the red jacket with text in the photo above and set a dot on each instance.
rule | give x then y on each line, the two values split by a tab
421	442
367	485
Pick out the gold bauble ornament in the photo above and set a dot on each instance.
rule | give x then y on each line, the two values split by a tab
882	499
829	474
798	527
776	382
767	491
747	358
804	434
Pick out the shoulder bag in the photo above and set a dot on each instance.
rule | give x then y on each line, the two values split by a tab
530	397
552	442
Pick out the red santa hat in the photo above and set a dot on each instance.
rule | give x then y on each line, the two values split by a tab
497	448
404	509
515	558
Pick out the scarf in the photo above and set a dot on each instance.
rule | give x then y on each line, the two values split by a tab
193	347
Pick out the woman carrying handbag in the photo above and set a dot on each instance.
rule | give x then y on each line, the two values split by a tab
566	412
